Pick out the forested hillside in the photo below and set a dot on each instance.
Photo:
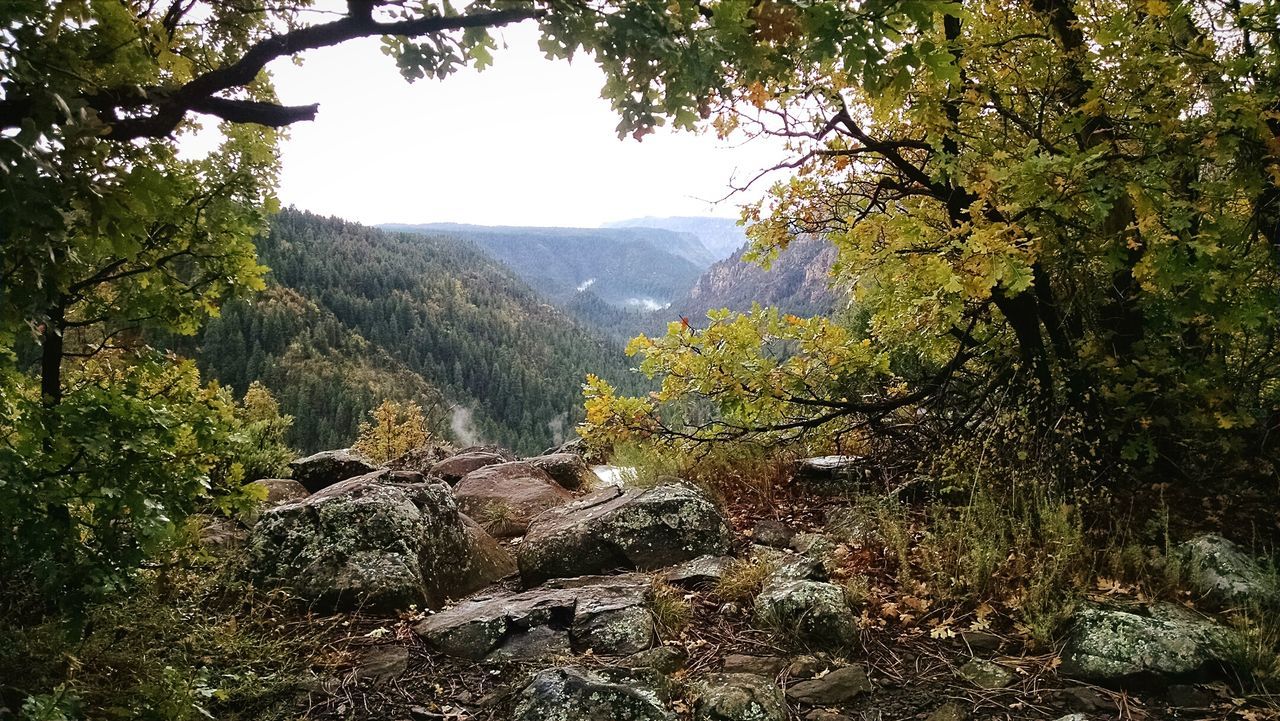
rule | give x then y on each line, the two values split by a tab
357	314
720	236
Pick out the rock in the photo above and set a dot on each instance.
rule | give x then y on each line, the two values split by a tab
797	568
326	468
452	469
814	545
622	529
812	612
738	697
768	532
280	490
577	694
1073	717
218	532
1111	645
986	675
807	666
701	572
949	711
383	663
830	474
1225	573
663	659
822	714
382	541
840	686
567	469
504	497
979	641
576	446
1083	698
758	665
850	523
605	615
421	459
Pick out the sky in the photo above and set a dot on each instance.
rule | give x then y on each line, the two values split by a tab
527	141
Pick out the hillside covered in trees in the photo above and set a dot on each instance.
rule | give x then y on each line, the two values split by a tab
356	314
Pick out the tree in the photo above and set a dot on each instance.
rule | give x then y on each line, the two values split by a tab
1062	207
395	429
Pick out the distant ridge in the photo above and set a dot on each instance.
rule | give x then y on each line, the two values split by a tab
721	236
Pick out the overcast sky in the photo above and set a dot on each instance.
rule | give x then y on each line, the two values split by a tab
528	141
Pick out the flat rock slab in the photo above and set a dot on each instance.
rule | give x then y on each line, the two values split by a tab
504	497
607	615
1114	646
622	529
602	694
382	541
840	686
701	572
738	697
319	471
986	675
759	665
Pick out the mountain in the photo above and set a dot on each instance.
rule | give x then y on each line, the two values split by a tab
797	282
626	267
356	314
722	237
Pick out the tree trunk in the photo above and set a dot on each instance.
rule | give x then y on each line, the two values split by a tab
51	358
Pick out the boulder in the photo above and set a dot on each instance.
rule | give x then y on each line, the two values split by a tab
831	474
280	490
812	612
759	665
607	615
452	469
1225	573
617	528
840	686
567	469
319	471
738	697
384	541
1112	645
601	694
421	459
507	455
505	496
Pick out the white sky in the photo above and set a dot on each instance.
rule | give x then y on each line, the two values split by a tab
528	141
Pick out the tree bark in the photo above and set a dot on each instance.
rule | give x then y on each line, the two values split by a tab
51	352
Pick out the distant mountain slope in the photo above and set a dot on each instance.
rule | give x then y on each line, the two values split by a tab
797	282
628	267
424	316
721	236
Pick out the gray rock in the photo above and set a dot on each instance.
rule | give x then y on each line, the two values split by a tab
421	459
700	572
382	541
606	615
1225	573
840	686
452	469
759	665
986	675
577	694
383	663
831	474
663	659
815	545
1112	645
504	497
217	532
822	714
808	666
567	469
326	468
1188	696
617	528
811	612
738	697
768	532
949	711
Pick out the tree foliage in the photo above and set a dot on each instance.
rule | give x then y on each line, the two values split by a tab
393	429
1073	205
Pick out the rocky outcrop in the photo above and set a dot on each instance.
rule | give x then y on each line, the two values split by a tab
812	612
452	469
421	459
504	497
1113	645
602	694
738	697
319	471
385	540
567	469
279	490
604	615
1224	573
622	529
